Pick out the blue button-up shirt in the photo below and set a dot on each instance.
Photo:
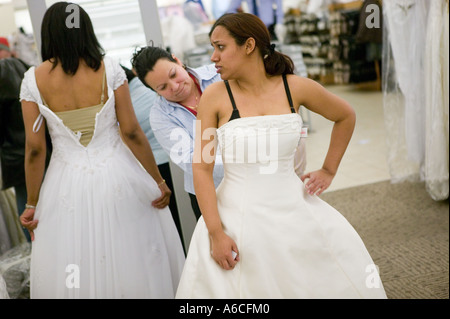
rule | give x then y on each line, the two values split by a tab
143	100
174	128
265	10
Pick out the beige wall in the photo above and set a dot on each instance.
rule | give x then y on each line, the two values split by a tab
7	20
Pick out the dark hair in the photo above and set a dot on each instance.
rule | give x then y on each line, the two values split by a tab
130	75
145	58
67	44
242	26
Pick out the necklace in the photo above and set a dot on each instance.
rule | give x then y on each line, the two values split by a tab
196	104
197	94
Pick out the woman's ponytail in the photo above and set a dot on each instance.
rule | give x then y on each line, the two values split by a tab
277	63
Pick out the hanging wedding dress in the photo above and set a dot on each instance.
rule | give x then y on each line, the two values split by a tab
14	252
415	87
437	104
400	167
3	289
406	22
11	233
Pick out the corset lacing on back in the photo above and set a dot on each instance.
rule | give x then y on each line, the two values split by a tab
81	121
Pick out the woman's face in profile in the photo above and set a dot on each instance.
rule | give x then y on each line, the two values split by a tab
170	80
228	57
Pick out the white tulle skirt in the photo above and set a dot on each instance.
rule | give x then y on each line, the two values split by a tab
99	237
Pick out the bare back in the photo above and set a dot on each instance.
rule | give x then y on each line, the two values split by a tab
63	92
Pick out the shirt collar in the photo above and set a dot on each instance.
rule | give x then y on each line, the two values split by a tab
202	73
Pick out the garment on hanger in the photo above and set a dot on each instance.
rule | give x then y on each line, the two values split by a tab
3	289
25	47
11	233
437	103
406	22
195	12
219	7
264	9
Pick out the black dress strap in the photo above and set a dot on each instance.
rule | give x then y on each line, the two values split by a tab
235	114
288	93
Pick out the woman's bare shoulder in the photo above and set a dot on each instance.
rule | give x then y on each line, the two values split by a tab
300	80
215	88
214	93
212	98
44	68
304	89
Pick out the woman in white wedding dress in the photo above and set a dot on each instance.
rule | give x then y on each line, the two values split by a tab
99	219
265	233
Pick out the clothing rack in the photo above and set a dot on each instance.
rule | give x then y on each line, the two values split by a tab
354	62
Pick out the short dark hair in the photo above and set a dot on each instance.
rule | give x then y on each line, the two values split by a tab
67	45
242	26
145	58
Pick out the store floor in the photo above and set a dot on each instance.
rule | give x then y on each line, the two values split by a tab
365	160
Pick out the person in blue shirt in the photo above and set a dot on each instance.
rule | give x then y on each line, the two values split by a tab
173	115
264	9
143	100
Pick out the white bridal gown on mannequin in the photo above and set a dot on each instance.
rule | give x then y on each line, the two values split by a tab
98	235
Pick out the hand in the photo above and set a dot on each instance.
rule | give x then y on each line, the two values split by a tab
26	219
164	199
318	181
221	247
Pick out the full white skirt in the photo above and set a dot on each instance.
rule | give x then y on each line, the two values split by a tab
99	237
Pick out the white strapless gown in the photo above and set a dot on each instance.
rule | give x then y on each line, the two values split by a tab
98	235
291	244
